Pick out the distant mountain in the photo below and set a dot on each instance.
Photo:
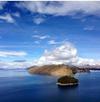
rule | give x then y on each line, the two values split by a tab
91	67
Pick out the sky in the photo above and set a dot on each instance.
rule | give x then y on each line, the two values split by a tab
49	32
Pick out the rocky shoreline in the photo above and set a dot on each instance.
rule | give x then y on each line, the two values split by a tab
69	84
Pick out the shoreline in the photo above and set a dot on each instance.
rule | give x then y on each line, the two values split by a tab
69	84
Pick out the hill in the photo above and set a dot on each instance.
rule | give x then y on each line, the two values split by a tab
54	70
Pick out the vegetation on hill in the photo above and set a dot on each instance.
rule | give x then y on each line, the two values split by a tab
67	80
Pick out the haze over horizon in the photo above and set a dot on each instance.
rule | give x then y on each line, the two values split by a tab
48	32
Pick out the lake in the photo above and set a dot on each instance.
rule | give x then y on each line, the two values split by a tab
20	86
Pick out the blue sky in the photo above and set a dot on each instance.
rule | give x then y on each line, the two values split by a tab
27	29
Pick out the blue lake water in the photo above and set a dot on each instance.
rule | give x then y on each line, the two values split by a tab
20	86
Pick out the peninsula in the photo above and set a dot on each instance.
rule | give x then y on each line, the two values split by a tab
54	70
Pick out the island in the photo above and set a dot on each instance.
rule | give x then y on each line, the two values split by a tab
67	81
54	70
64	73
57	70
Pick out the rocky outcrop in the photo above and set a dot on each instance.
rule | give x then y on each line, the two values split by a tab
67	81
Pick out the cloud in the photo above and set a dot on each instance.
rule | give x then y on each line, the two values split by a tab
15	64
62	8
12	53
38	20
8	18
89	28
16	14
52	42
37	42
41	37
65	54
20	61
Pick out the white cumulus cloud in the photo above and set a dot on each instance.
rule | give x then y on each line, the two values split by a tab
65	54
